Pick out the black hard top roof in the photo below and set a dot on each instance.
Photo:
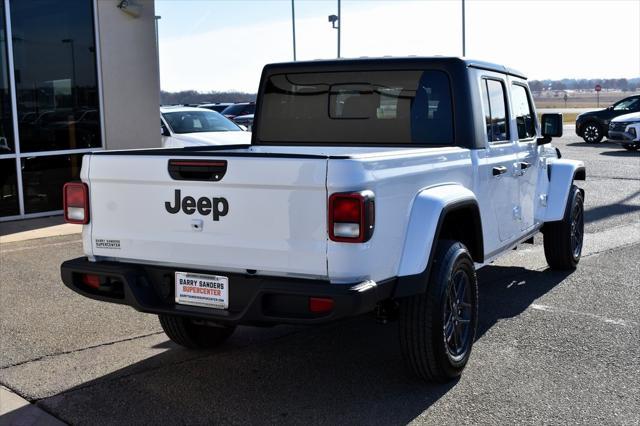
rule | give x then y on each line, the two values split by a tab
378	63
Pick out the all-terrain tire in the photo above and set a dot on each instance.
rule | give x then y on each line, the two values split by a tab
184	332
425	323
563	238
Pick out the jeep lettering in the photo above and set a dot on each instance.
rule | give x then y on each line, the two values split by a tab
218	206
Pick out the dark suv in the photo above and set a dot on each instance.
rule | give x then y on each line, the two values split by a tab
236	110
592	126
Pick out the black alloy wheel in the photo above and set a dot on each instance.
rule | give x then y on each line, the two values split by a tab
592	133
457	316
577	229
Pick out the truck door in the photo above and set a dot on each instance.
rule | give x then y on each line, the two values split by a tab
525	140
501	156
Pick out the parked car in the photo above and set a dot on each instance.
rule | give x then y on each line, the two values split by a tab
625	130
190	126
340	211
244	120
593	126
235	110
217	107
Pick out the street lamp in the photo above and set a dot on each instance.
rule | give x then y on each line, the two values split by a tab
336	24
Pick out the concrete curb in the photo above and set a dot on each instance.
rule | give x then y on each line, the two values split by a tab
31	229
15	410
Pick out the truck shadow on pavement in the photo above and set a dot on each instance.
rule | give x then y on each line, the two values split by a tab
627	205
348	372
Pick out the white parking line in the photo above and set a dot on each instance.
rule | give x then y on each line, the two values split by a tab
547	308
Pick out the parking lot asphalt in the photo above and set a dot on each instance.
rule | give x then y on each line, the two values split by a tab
551	347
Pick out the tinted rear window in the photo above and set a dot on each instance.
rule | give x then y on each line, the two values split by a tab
370	107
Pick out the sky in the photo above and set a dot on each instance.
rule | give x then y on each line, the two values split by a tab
222	45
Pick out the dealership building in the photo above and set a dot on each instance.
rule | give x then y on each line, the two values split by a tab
76	76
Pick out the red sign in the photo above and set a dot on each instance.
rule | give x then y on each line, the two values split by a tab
598	88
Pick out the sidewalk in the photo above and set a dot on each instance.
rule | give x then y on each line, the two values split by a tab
30	229
15	410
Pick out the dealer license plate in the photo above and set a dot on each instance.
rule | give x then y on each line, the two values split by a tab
211	291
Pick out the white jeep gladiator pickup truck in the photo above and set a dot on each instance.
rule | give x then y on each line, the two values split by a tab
370	185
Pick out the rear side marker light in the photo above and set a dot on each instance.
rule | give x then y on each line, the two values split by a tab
351	216
76	202
91	280
320	305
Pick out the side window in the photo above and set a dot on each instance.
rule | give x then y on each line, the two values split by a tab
495	101
630	104
525	120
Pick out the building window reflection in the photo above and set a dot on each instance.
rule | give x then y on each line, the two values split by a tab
56	79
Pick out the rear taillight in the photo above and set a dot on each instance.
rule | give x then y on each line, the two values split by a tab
76	202
351	216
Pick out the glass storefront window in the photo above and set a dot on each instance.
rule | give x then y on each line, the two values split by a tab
7	145
55	73
43	178
8	188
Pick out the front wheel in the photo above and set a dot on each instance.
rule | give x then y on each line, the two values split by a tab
592	133
438	327
563	238
194	334
631	147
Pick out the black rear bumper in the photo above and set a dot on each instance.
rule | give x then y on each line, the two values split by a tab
256	300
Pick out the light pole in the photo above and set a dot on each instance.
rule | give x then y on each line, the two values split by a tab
293	26
156	19
336	24
464	49
339	27
70	41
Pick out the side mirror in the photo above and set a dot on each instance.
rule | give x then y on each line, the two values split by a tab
551	127
164	131
243	127
610	107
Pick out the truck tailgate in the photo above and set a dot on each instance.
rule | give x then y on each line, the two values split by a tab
264	214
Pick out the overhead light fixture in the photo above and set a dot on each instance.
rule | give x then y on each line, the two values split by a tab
130	8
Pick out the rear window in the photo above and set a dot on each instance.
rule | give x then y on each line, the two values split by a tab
370	107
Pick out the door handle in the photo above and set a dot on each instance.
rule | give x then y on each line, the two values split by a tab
499	170
524	165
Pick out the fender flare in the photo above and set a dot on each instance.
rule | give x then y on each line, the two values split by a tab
423	231
561	174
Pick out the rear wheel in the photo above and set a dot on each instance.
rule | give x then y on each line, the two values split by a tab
438	327
191	334
563	238
592	133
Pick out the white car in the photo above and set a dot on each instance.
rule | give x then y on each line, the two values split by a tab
371	185
625	130
188	126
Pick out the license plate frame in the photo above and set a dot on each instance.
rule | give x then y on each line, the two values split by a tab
203	290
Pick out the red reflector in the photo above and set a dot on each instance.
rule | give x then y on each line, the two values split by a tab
90	280
346	209
319	305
